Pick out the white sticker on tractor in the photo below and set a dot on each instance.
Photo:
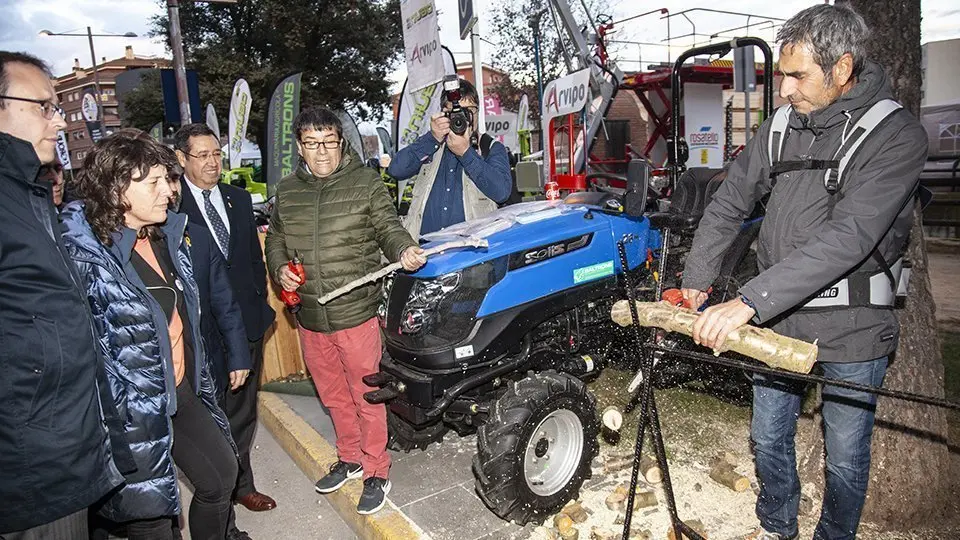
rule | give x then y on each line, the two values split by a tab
463	352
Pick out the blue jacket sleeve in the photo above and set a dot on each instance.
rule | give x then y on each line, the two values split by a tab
491	175
408	161
226	311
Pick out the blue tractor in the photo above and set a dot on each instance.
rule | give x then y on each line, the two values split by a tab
500	340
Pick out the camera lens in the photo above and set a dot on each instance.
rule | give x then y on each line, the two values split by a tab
458	124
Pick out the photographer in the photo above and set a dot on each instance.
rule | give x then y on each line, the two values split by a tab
454	181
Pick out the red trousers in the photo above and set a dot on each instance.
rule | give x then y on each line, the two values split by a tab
337	362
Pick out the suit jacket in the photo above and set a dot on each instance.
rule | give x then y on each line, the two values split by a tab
221	322
245	266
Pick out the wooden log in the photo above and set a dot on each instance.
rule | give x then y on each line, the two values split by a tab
724	475
576	512
650	470
616	501
602	533
616	465
760	343
644	499
562	522
694	524
390	268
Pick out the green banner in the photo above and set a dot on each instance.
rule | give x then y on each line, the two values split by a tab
281	156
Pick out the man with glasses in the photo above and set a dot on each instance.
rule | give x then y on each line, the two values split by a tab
227	211
52	173
55	452
454	182
336	215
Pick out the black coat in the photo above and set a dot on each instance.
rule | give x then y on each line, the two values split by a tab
54	456
245	265
221	323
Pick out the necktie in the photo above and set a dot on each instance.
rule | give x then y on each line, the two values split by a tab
219	229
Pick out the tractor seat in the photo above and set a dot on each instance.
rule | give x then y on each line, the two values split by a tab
695	189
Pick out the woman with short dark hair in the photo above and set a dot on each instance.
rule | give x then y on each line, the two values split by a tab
134	259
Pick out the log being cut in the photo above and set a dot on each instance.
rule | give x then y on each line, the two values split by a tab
761	343
391	268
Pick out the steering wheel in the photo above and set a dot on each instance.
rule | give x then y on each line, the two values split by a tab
594	176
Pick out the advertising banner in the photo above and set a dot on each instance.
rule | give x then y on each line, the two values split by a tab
421	43
523	113
351	133
703	124
90	111
280	150
563	96
503	127
63	153
239	114
212	121
415	109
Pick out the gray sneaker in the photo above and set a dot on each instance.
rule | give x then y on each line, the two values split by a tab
761	534
340	472
374	495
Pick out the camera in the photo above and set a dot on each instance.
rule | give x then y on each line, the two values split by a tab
460	118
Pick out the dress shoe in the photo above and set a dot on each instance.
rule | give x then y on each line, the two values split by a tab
257	502
237	534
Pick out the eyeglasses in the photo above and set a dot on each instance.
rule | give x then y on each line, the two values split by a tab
204	156
47	107
313	145
55	167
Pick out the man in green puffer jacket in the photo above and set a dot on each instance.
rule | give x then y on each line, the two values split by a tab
336	214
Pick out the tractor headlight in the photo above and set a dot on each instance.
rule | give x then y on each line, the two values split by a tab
425	297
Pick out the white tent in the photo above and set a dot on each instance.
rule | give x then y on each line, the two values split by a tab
249	152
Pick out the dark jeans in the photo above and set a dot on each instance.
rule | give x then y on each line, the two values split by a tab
848	425
66	528
164	528
205	456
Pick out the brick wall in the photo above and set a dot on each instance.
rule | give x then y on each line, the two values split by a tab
627	107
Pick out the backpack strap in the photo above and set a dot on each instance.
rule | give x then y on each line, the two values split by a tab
833	178
486	141
778	134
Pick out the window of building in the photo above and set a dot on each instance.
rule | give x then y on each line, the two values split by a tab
109	91
950	138
81	154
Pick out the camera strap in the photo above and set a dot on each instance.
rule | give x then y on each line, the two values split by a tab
486	141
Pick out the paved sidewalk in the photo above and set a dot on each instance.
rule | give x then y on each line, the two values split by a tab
434	488
300	513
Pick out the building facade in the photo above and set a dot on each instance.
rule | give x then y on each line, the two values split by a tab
941	72
70	89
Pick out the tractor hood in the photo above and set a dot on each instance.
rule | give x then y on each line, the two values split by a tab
519	228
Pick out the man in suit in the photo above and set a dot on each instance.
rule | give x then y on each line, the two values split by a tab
221	323
227	212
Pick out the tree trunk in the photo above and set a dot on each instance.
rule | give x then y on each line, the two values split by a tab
910	483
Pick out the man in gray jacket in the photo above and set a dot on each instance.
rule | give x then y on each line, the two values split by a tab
836	225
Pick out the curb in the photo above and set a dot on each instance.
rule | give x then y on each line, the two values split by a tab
314	455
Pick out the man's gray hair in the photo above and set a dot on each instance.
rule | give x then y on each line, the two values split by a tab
831	32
